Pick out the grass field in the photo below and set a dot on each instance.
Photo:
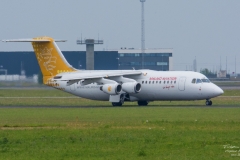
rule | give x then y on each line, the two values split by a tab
160	131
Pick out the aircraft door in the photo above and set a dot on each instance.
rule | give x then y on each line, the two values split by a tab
181	83
199	86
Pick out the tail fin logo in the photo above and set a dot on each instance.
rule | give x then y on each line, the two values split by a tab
49	61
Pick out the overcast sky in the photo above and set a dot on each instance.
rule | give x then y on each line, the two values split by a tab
205	29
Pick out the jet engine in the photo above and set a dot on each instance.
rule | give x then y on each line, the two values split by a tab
112	89
131	87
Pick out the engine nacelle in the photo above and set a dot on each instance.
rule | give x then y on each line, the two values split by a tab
131	87
112	89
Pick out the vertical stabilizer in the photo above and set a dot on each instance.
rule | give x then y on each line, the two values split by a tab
50	58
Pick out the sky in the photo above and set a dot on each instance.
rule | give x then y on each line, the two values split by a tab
206	29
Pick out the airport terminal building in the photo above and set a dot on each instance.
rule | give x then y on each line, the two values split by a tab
154	59
14	63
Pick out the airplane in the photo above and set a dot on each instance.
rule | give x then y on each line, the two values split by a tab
118	86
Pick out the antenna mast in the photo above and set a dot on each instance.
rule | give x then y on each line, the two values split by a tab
143	34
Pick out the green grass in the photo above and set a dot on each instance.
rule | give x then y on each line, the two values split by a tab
231	93
118	133
162	130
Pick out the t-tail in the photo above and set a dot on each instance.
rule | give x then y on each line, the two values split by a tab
49	56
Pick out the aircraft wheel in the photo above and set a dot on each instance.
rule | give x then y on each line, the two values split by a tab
208	102
142	103
117	103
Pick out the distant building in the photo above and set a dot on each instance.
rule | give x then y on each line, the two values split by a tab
155	59
13	63
222	74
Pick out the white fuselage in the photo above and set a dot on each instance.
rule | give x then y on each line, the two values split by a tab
155	85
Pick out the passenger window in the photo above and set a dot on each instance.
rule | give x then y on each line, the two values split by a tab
153	82
149	82
199	81
194	80
156	81
171	82
146	82
164	82
160	82
142	82
175	82
167	82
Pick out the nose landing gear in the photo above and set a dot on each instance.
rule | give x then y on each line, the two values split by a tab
208	102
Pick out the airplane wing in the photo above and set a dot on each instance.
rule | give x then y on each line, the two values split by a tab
98	77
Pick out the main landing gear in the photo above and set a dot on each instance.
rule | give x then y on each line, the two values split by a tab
125	97
208	102
121	101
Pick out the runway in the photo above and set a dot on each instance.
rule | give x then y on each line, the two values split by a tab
230	87
126	106
75	97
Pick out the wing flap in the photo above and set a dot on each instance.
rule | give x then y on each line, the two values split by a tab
103	76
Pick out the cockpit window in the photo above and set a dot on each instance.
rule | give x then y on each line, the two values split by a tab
206	81
194	80
199	81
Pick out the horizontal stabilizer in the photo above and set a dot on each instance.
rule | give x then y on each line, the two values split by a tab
32	40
